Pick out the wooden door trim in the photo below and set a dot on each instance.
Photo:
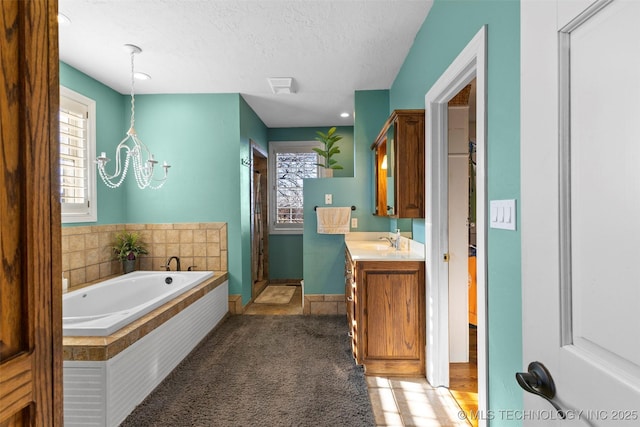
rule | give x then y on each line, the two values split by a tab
31	374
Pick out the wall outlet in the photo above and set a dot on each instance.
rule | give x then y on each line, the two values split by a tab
328	199
354	222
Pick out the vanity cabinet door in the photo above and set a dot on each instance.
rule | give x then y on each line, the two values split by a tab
391	317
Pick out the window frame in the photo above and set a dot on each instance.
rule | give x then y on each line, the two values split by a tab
86	212
276	147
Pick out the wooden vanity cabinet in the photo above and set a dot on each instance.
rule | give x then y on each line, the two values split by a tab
386	314
351	301
400	187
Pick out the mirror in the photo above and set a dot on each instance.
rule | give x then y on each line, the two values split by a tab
384	170
390	172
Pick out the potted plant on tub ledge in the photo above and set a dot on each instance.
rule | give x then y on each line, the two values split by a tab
328	150
126	248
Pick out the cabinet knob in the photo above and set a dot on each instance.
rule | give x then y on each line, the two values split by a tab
350	299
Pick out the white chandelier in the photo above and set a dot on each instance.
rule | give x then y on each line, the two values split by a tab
134	149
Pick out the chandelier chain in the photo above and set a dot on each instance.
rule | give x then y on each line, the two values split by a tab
136	153
133	97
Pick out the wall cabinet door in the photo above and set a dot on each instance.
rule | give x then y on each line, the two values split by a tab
399	181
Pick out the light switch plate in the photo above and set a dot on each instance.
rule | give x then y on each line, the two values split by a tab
502	214
354	222
328	199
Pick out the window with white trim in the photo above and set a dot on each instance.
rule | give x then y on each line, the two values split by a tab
77	151
289	164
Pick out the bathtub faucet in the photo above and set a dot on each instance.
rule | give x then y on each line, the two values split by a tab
168	265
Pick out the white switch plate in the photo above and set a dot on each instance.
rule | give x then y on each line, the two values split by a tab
354	222
328	199
502	214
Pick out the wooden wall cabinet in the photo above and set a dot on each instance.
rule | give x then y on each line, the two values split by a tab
400	187
386	314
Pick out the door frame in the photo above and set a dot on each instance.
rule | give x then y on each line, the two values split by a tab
469	64
255	149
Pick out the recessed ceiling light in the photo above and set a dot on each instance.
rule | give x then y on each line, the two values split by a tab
141	76
344	115
63	20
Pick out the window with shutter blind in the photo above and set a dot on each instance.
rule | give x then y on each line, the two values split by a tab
77	151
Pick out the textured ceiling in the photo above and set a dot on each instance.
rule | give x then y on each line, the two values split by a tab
330	48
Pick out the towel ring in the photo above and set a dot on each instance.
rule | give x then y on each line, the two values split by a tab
353	208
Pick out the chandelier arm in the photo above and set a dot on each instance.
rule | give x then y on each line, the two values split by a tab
109	179
118	170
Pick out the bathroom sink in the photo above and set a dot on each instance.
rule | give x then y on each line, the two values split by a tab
380	250
374	246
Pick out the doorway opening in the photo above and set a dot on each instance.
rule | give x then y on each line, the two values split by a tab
444	344
462	240
259	226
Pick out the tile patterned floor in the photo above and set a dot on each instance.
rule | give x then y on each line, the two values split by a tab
397	402
412	402
294	306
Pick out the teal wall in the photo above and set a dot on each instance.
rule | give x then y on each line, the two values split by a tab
285	256
204	137
324	253
199	135
448	28
110	129
286	250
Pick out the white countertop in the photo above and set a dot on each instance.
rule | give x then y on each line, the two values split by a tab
369	247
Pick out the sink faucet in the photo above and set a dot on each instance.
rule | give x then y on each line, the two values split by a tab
392	242
168	266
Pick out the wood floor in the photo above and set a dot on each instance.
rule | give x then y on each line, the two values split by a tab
463	380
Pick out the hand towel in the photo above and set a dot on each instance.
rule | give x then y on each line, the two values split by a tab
333	220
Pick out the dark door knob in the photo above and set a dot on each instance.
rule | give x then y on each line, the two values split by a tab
539	382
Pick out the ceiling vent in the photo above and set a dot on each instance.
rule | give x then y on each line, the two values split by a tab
281	85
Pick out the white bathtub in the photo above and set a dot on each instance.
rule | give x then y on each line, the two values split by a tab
103	308
101	389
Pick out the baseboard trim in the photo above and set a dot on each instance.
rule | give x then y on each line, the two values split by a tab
327	304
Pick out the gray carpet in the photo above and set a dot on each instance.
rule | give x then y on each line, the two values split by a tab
264	371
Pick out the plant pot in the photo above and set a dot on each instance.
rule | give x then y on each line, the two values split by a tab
326	173
128	265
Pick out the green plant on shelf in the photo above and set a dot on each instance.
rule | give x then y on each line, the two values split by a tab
328	149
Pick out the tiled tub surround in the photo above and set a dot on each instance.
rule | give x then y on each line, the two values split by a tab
106	377
86	250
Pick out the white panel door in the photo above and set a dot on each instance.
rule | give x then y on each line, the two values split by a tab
580	162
